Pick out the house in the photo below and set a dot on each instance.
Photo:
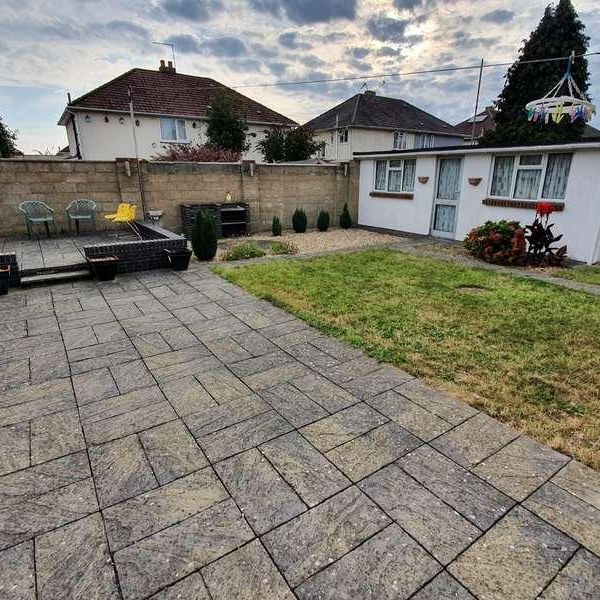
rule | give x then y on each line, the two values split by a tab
169	108
367	122
446	192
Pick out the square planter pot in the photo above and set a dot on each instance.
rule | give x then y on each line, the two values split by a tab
4	279
104	268
179	259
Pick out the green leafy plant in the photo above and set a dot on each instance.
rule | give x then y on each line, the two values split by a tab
299	220
276	226
224	128
204	236
500	242
279	248
323	221
243	251
292	144
345	218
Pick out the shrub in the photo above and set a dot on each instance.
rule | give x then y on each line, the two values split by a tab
194	152
283	248
276	226
244	250
345	218
500	242
323	221
204	236
299	220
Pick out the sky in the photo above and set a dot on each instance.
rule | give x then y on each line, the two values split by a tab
51	47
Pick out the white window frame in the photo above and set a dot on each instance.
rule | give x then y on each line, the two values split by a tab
389	169
178	123
519	167
399	142
343	135
428	140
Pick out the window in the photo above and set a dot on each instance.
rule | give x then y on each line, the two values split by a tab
521	176
343	135
399	140
172	130
424	140
395	175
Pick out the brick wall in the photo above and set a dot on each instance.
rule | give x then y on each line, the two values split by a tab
269	189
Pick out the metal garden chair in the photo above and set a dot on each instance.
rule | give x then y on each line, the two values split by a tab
81	210
37	212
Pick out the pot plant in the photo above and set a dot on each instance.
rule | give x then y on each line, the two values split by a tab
104	268
4	279
179	259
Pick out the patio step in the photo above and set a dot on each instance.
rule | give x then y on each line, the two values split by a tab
45	276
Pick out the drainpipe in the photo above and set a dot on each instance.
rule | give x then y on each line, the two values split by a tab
74	121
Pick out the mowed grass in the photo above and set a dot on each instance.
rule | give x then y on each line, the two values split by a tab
582	274
523	351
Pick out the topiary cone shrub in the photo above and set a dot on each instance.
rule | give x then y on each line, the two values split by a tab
345	219
204	236
323	221
299	220
498	242
276	226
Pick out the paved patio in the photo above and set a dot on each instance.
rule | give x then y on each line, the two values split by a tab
169	436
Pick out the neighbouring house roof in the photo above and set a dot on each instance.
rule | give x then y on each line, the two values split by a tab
169	93
372	111
484	121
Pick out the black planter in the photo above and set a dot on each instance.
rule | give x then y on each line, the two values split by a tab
104	268
179	259
4	279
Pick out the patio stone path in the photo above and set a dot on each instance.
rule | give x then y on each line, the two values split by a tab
167	435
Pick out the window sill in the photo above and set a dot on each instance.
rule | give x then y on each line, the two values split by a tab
526	204
174	141
397	195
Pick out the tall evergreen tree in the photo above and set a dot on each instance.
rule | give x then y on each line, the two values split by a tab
558	33
225	128
8	141
292	144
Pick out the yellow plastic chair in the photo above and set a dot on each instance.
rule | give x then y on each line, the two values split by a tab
122	210
127	215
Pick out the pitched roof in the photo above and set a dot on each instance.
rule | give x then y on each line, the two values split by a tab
370	110
484	121
170	93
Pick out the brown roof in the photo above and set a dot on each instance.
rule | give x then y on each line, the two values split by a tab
484	121
370	110
169	93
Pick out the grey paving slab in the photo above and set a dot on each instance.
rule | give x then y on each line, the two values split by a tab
14	441
325	533
172	553
342	426
274	376
388	565
347	371
408	414
515	559
443	587
94	385
581	481
63	555
335	348
311	475
263	496
121	470
172	451
56	435
228	350
107	360
472	497
378	381
181	363
520	467
18	572
579	579
222	385
15	373
568	513
330	396
187	396
260	364
149	512
371	451
150	344
434	524
109	332
191	587
312	356
246	574
295	406
474	440
131	376
180	337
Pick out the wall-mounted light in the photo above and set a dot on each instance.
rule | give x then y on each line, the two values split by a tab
228	197
137	122
121	120
105	119
194	125
88	118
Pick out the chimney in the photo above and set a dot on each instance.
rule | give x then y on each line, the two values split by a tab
168	68
369	92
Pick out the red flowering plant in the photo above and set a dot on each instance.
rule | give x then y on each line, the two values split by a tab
540	238
499	242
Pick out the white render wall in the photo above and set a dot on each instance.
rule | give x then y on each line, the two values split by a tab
579	222
99	140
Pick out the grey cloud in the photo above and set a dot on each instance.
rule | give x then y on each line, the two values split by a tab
225	47
360	52
387	51
359	65
312	61
290	40
386	29
308	11
186	44
499	16
192	10
407	4
264	51
278	68
244	65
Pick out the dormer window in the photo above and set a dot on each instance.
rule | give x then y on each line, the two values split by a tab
399	140
343	135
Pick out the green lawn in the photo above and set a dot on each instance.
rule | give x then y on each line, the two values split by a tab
524	351
583	274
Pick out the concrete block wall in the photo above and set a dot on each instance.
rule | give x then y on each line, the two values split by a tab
269	189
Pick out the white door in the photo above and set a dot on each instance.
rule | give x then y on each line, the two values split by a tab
445	206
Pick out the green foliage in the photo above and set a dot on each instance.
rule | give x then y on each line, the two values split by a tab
323	221
345	218
204	236
194	152
500	242
287	145
276	226
244	250
278	248
8	139
224	128
558	33
299	220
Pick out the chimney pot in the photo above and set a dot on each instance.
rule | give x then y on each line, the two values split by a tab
170	64
162	63
369	92
166	68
